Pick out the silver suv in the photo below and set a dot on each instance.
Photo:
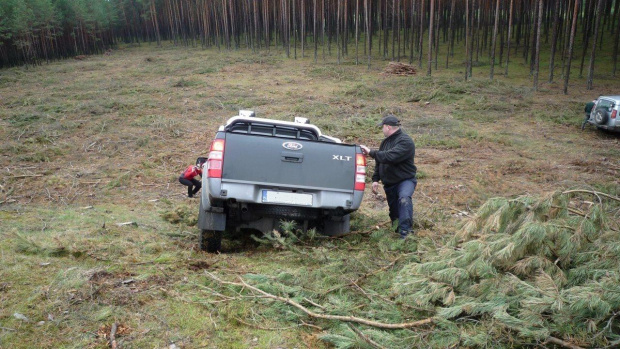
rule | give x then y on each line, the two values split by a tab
604	113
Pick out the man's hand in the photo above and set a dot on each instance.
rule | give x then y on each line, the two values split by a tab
375	187
365	149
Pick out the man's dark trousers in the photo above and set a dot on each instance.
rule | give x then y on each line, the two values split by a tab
401	207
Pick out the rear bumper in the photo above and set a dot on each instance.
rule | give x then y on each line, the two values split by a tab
613	126
252	193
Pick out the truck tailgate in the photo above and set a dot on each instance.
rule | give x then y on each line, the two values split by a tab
271	160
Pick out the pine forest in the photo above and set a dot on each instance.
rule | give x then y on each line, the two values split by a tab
497	31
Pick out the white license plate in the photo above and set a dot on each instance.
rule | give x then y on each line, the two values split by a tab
279	197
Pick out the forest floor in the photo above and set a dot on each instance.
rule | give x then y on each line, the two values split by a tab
90	144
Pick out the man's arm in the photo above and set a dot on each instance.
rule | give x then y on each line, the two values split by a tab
403	150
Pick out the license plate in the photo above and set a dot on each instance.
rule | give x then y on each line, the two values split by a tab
279	197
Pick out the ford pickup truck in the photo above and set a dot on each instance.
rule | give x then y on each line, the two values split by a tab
261	172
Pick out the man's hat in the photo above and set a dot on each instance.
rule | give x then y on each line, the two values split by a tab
389	120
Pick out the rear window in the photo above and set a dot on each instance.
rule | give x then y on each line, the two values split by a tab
280	131
605	104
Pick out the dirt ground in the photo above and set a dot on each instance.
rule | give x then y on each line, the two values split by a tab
94	124
90	143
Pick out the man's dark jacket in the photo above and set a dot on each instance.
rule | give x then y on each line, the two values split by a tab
394	159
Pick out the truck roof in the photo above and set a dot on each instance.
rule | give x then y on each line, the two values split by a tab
254	120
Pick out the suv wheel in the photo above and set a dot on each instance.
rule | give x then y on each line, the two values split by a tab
600	117
210	240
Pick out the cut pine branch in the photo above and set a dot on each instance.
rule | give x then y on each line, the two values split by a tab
596	193
310	313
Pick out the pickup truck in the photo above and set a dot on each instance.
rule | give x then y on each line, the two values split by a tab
261	172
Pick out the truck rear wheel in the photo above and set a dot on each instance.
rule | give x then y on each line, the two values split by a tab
210	240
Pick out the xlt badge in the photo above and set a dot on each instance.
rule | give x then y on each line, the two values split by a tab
341	158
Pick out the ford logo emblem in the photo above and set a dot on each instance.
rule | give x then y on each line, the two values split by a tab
292	145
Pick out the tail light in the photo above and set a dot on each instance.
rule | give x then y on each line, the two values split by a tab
360	172
216	159
613	114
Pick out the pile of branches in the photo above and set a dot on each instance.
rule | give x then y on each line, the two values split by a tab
536	269
397	68
520	272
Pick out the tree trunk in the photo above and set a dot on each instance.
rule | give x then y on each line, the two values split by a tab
495	27
303	27
538	34
316	46
437	25
420	43
617	38
534	36
368	31
430	38
471	37
338	31
450	33
509	38
357	37
567	28
587	31
597	22
394	29
412	39
554	39
570	45
467	39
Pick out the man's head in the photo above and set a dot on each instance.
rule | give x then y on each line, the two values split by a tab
389	124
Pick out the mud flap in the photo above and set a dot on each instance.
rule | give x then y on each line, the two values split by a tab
210	220
335	226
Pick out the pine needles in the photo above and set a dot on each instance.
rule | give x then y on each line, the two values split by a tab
523	271
531	267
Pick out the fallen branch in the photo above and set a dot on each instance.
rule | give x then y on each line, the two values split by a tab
563	343
315	304
113	344
615	344
352	283
311	325
365	337
266	328
310	313
595	193
571	210
24	176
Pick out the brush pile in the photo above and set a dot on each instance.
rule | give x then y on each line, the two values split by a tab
524	272
398	68
527	271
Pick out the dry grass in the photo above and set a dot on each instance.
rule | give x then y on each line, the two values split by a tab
91	143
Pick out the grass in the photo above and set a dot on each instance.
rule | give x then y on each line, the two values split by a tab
90	144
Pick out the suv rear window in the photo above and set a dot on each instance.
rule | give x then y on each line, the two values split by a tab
605	104
254	128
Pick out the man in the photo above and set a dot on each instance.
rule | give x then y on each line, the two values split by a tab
588	110
395	169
